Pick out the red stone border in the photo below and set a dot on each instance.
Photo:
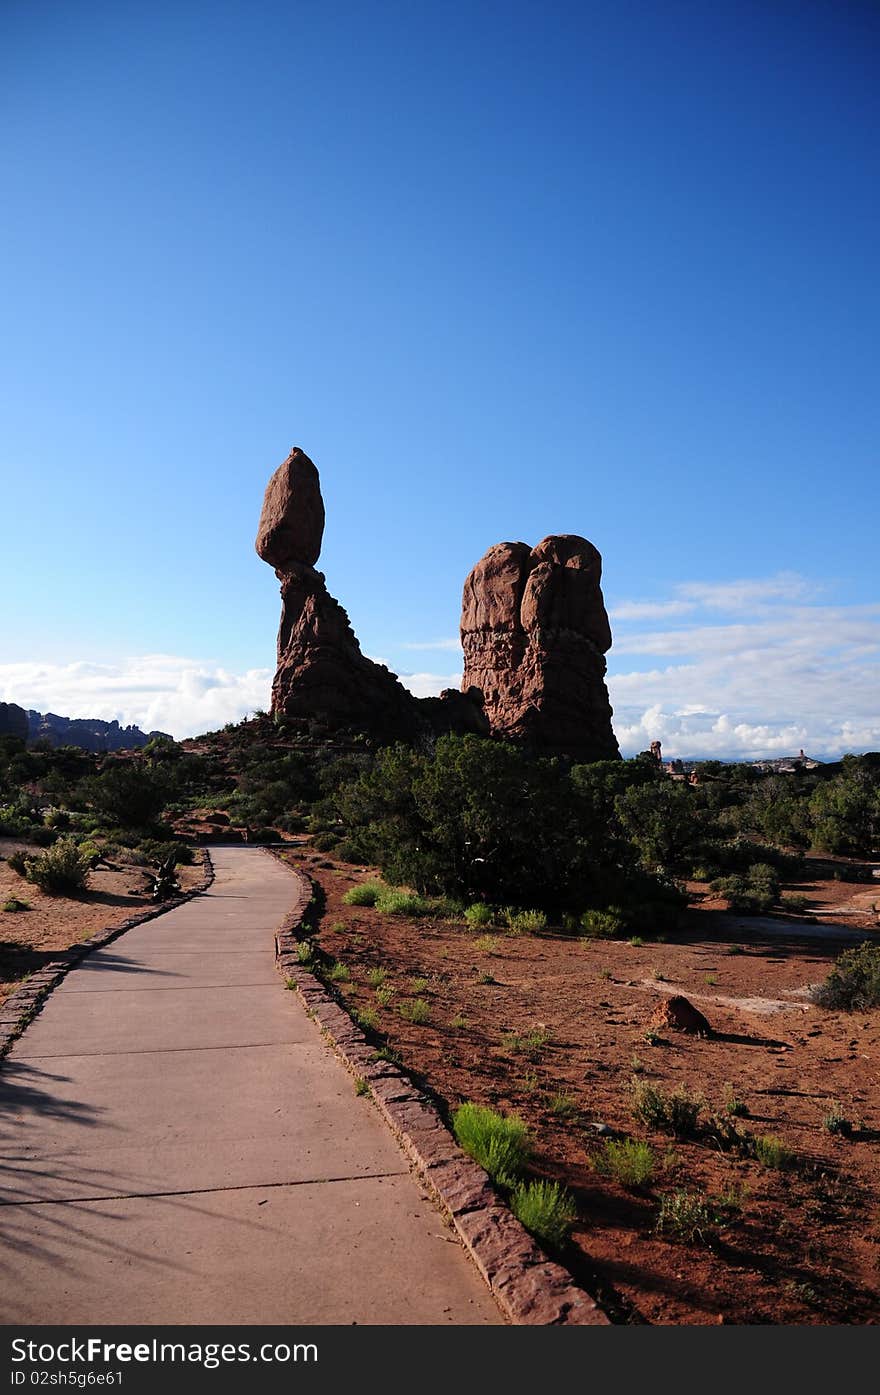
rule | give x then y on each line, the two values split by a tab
22	1005
528	1287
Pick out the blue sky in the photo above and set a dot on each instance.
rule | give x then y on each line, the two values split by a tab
501	270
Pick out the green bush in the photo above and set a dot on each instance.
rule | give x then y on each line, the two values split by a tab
547	1211
688	1216
629	1162
854	982
18	862
772	1152
131	794
62	868
603	925
525	922
324	842
15	904
348	851
365	894
677	1112
499	1144
752	894
417	1011
396	901
478	914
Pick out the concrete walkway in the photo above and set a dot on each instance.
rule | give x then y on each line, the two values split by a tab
179	1145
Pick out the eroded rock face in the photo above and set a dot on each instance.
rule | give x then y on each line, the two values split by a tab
321	671
534	632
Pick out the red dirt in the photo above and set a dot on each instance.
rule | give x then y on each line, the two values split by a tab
52	924
804	1247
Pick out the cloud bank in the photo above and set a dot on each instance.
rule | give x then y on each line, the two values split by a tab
157	692
742	669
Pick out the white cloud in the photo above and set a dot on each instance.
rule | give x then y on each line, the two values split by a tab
161	692
430	684
750	594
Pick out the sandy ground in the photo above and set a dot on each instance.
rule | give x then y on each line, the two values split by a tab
803	1244
29	938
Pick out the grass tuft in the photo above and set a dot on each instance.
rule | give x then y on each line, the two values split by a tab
365	894
417	1011
629	1162
499	1144
547	1211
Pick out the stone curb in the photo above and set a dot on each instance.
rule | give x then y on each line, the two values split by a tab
529	1288
22	1005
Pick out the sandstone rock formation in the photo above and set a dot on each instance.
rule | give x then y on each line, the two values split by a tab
534	632
680	1014
321	670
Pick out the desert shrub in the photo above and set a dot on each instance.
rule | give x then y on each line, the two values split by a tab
688	1216
525	922
478	914
837	1123
396	901
365	894
796	904
529	1044
348	851
676	1112
486	944
772	1152
603	925
417	1011
663	822
17	861
384	995
14	903
476	819
751	894
130	794
61	868
339	973
854	982
159	850
499	1144
324	842
629	1162
376	977
546	1209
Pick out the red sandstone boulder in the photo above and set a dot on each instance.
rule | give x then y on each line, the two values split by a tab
292	522
681	1015
534	631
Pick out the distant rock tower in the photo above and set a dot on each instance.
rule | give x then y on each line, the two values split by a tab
534	630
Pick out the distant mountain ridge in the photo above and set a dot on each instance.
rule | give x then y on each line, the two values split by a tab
89	733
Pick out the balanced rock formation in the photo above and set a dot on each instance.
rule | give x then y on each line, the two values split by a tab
534	630
321	671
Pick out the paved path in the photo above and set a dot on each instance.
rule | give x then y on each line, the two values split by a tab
179	1145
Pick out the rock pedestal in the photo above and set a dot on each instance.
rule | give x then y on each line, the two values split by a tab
321	671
